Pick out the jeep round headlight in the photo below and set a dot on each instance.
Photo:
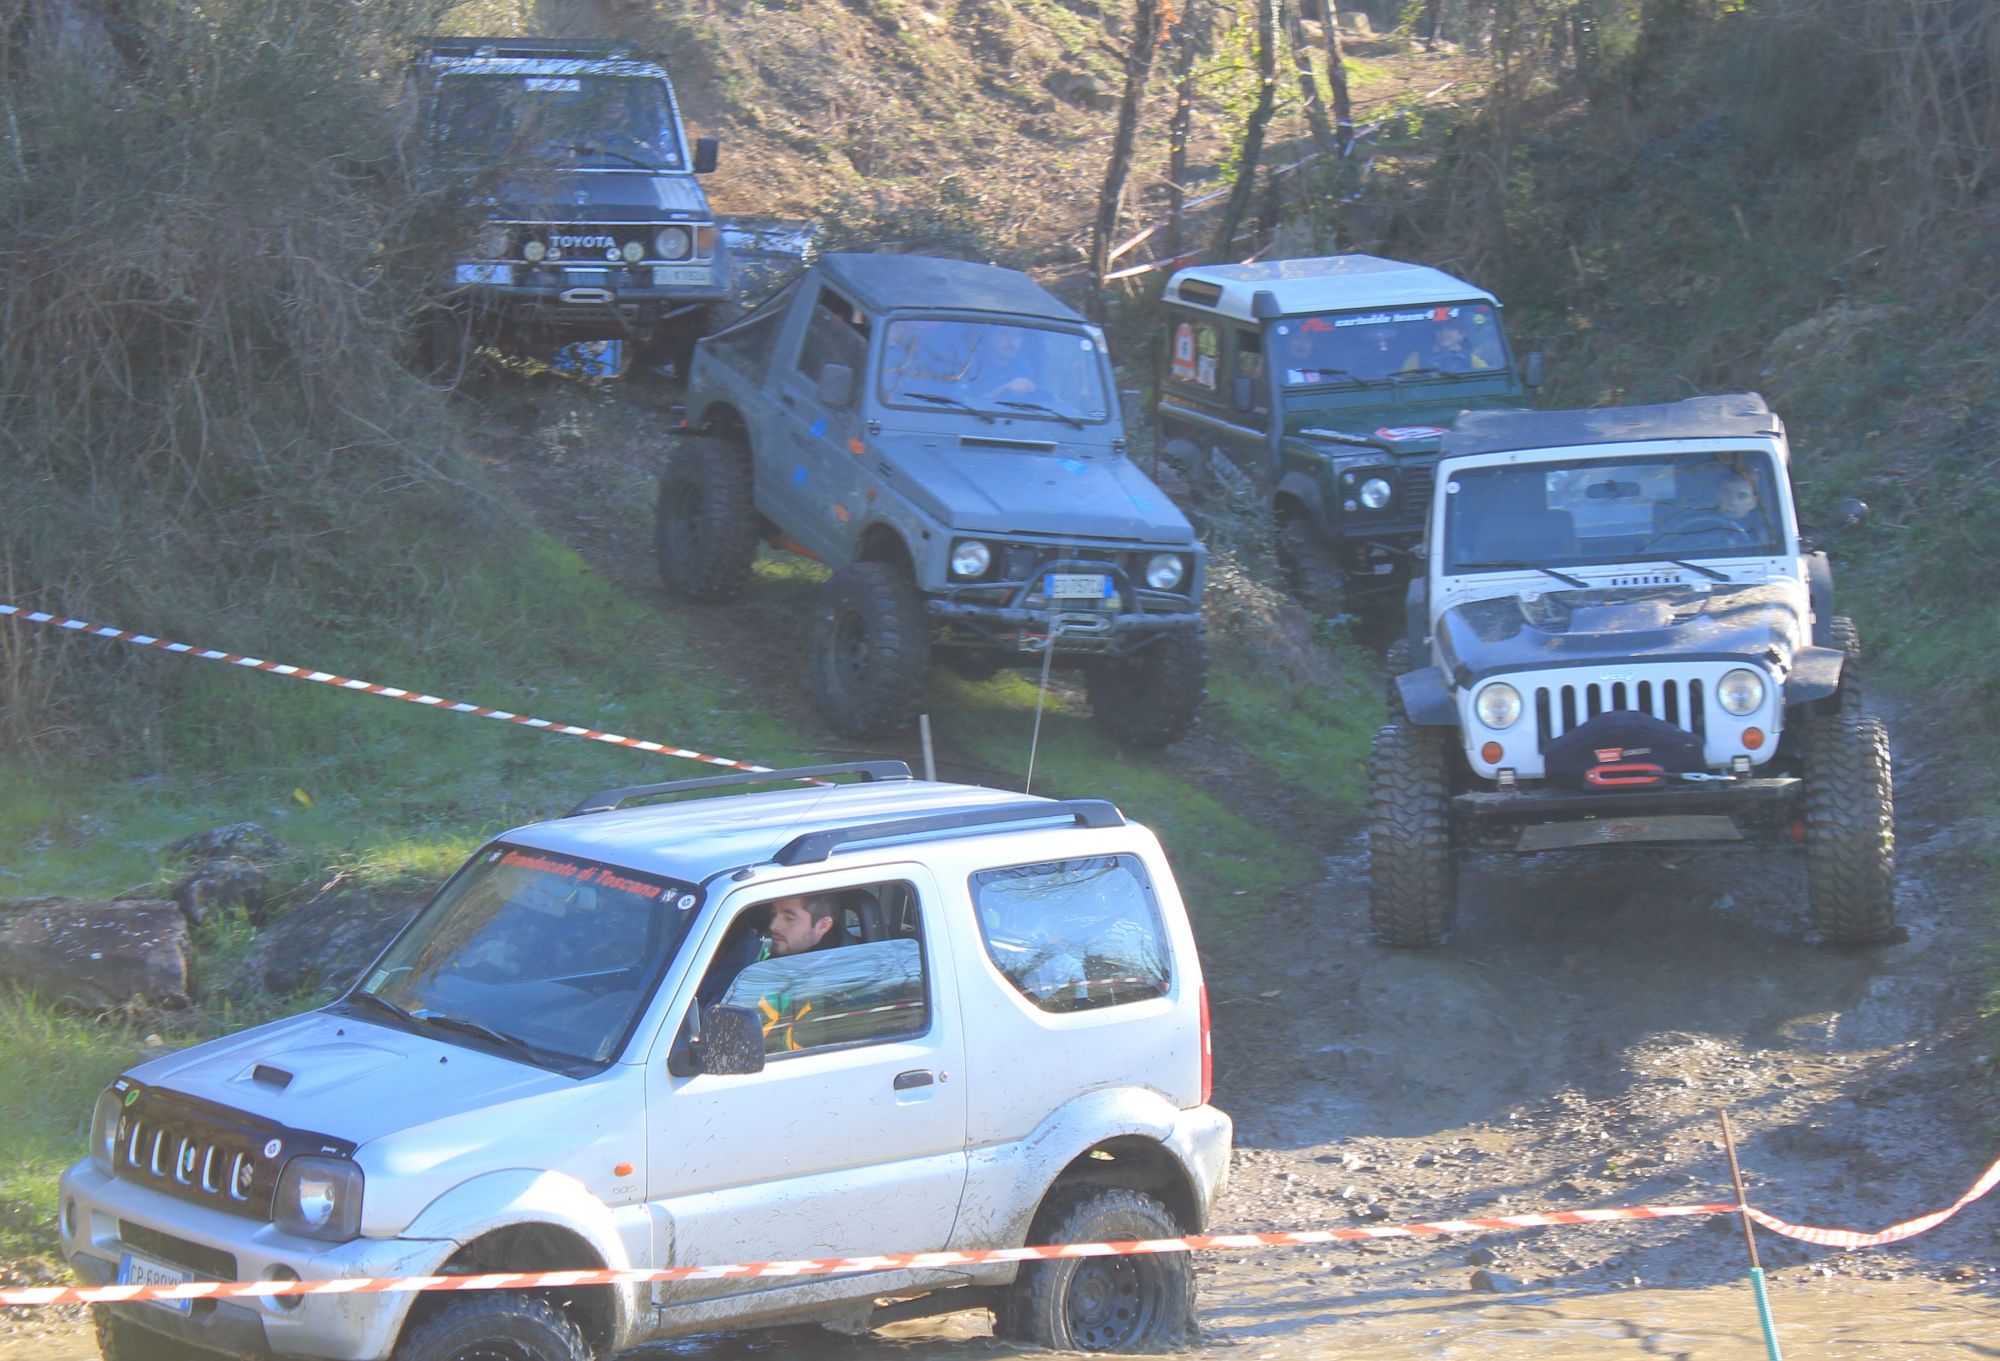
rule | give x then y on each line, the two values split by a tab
1375	493
1498	705
1164	571
1740	691
534	251
970	558
673	243
633	252
104	1127
319	1198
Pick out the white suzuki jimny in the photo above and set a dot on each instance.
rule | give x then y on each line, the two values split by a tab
584	1053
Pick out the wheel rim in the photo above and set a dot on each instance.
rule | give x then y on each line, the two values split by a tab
1108	1305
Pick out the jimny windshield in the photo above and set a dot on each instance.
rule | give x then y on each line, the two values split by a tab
545	956
993	367
586	119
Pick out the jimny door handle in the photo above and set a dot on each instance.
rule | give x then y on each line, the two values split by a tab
916	1077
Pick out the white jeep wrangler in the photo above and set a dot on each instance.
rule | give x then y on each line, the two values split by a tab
1625	640
580	1056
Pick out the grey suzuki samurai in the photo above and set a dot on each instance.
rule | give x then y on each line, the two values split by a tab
596	227
945	436
1319	388
1624	640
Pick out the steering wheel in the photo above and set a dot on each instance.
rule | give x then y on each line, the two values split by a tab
1695	521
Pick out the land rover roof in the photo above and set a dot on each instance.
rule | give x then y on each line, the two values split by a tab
694	839
883	283
1742	415
1324	283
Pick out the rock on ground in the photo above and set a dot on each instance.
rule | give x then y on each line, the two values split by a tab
96	956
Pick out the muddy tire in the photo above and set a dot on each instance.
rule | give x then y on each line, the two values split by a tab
868	649
1151	698
1412	867
1312	572
1848	639
495	1328
1397	658
120	1339
1850	830
704	525
1142	1303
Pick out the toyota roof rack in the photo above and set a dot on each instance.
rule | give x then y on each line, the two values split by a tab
816	846
604	801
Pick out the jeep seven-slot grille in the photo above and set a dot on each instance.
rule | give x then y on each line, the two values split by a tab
1558	708
197	1159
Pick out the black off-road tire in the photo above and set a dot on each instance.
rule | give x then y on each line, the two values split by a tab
1312	571
1141	1303
1850	829
1397	658
868	649
120	1339
495	1328
1150	698
1412	865
704	523
1848	639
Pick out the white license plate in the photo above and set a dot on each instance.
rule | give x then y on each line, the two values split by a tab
485	274
1076	586
138	1271
679	274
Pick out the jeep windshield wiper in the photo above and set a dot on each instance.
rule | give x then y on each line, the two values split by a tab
442	1021
385	1004
939	399
1529	566
1046	410
1708	572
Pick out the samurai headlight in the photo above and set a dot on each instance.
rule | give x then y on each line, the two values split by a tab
1375	492
1164	571
673	243
1498	705
1740	691
319	1198
104	1128
970	558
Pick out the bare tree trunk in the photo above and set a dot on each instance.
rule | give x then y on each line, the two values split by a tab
1138	67
1181	127
1295	34
1253	130
1336	76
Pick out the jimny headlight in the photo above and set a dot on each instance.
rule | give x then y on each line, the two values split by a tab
1375	493
1164	571
1740	691
1498	705
970	558
319	1198
104	1128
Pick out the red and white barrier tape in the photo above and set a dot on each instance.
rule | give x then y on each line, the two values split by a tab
365	687
1895	1233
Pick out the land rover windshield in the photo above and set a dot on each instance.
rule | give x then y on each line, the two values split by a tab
1587	511
994	369
543	956
1453	340
597	120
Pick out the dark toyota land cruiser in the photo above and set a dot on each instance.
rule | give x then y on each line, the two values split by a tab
597	227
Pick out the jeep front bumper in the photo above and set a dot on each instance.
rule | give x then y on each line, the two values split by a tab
1748	810
102	1216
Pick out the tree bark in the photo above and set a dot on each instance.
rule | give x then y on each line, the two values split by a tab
1138	68
1253	131
1180	129
1336	76
1295	34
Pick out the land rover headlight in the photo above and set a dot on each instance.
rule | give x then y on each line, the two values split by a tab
970	558
1740	691
319	1198
104	1128
673	243
633	252
534	251
1375	492
1498	705
1164	571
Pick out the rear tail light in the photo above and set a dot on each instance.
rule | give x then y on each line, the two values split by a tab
1207	1051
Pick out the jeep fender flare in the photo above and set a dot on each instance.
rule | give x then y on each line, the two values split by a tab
526	1198
1427	699
1815	674
994	1211
1299	490
1819	593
